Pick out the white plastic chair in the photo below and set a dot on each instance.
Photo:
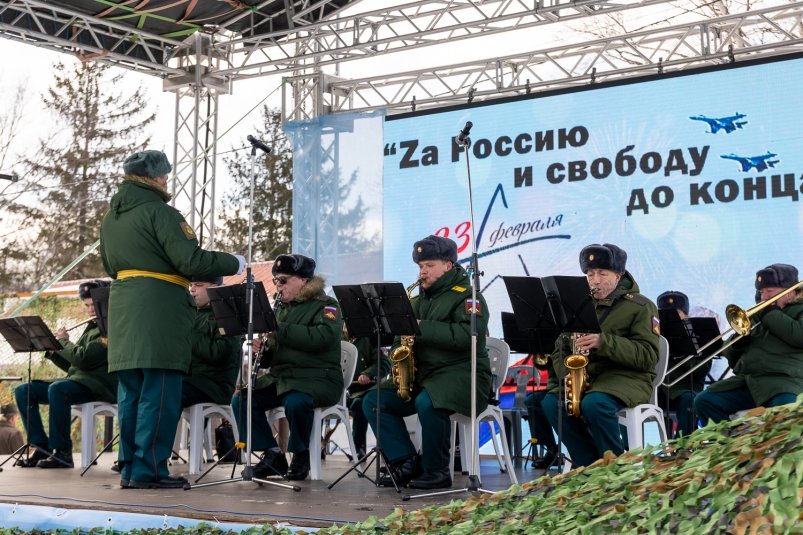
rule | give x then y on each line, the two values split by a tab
348	364
87	412
200	435
635	418
498	354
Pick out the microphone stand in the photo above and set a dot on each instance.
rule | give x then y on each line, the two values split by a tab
248	470
474	484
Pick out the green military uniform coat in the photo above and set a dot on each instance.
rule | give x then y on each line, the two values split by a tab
305	351
215	359
150	320
624	364
771	362
86	363
442	351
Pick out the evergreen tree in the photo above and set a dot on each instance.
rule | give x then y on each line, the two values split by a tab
273	195
98	123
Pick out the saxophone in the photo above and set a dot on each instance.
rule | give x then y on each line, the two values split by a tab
577	381
403	367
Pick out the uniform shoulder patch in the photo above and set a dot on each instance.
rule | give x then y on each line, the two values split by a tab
330	312
187	230
656	326
636	298
473	306
458	289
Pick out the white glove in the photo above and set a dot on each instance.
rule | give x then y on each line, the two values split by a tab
241	259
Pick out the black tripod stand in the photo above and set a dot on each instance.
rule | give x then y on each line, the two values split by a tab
27	334
381	309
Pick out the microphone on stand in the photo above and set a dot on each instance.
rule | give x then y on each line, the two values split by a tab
258	144
462	137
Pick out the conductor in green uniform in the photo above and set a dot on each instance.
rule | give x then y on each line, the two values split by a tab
215	358
622	358
305	372
150	251
442	384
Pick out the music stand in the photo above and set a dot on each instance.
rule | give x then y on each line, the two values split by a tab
378	309
27	334
100	300
237	315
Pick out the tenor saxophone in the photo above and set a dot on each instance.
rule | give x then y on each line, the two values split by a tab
403	361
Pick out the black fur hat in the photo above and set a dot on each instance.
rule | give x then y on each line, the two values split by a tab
605	256
673	300
294	264
86	287
435	248
217	281
776	276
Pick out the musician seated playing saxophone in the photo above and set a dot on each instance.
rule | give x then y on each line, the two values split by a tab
88	379
621	359
305	372
767	363
441	371
680	397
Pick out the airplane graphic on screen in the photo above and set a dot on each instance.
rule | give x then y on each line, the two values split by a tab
759	163
728	124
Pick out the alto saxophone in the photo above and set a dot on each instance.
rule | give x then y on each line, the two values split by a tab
403	361
577	381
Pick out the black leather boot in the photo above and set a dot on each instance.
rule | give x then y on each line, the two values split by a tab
59	459
273	463
438	479
403	471
299	467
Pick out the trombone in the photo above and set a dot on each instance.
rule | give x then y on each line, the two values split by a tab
740	326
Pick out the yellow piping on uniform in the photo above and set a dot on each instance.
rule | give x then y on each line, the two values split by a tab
175	279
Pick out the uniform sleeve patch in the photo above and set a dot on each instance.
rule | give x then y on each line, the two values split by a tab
473	306
656	326
330	312
187	230
458	289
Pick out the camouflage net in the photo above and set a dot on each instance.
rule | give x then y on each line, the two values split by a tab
736	477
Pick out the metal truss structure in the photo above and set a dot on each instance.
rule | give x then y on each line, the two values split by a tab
200	57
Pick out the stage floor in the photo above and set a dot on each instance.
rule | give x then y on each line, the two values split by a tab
353	499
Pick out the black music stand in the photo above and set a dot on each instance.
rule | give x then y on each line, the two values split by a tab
26	334
237	315
376	309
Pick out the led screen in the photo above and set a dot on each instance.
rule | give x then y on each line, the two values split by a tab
696	176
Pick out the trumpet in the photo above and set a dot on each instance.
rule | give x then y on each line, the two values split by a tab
740	325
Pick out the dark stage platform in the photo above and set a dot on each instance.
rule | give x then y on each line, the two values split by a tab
352	499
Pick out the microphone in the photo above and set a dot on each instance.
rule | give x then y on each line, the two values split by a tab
258	144
462	137
12	177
